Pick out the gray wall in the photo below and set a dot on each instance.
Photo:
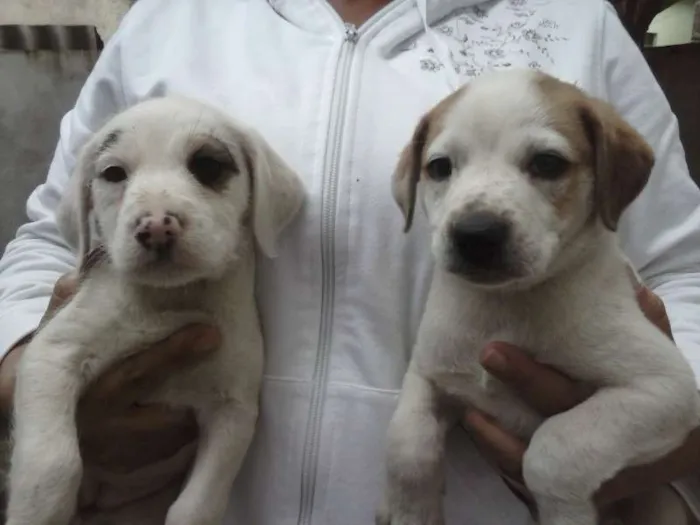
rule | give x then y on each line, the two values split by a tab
36	89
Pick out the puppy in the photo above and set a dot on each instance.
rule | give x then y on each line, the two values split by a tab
178	193
523	179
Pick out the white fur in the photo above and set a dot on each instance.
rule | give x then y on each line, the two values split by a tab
135	298
566	298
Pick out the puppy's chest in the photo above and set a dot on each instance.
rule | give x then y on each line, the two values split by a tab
455	331
136	320
458	329
231	372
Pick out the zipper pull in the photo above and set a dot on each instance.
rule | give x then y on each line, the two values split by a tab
351	34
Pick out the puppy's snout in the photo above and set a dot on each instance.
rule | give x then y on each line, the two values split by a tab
158	231
480	239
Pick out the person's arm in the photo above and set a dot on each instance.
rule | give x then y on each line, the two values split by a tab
660	232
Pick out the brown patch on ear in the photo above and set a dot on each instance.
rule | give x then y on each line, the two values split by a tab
410	165
623	160
620	158
408	170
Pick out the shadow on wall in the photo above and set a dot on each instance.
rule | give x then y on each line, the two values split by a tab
42	69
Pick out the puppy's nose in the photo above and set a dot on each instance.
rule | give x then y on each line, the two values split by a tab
158	231
480	239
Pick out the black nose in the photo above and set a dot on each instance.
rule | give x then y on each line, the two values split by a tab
480	239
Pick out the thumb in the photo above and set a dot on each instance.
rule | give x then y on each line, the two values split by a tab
651	304
654	310
145	370
63	290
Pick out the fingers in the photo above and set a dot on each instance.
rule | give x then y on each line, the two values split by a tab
650	303
150	434
543	388
132	379
496	444
152	419
63	290
654	310
682	462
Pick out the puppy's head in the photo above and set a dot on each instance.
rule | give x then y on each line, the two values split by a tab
172	184
517	170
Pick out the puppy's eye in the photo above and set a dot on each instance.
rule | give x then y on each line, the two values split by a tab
548	166
439	168
114	174
207	169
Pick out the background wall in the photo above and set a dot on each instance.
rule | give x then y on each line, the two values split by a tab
36	89
674	25
103	14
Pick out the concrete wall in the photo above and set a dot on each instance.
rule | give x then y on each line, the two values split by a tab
674	25
36	90
103	14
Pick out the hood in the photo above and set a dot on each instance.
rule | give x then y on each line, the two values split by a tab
421	20
315	16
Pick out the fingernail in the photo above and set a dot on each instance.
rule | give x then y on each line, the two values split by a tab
207	339
471	418
636	283
493	360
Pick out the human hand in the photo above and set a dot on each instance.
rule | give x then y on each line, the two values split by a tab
550	393
117	434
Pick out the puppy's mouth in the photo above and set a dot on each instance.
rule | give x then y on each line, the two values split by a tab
495	274
166	259
162	266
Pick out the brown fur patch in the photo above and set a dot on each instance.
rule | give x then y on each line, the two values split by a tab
604	144
412	159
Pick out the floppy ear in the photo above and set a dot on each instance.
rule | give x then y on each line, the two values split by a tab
277	193
623	161
407	174
73	214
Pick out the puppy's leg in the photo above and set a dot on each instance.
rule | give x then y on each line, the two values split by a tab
46	468
226	433
573	453
415	456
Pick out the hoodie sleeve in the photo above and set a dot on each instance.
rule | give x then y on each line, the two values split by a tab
38	256
660	232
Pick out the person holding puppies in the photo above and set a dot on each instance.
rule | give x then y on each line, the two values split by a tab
337	87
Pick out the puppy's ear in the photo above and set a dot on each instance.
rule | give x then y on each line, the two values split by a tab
407	174
277	192
73	214
623	160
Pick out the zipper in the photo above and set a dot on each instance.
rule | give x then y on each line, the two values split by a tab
329	198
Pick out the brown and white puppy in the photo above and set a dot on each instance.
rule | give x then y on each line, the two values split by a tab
179	193
523	179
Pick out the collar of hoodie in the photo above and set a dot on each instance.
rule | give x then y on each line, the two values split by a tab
417	16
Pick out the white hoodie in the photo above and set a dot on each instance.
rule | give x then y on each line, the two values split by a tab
342	302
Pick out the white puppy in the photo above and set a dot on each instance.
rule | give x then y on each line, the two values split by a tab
523	179
178	193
